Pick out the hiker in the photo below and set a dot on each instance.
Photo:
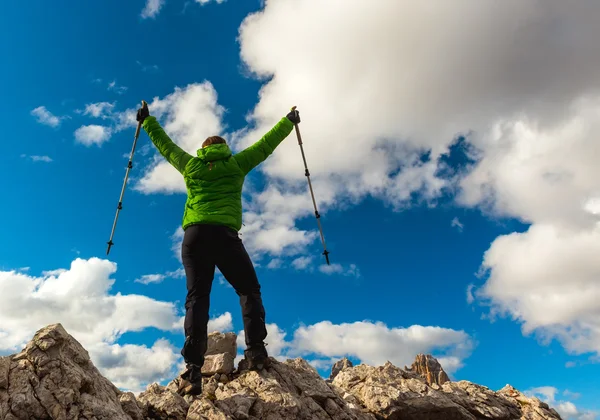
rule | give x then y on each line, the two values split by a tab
212	218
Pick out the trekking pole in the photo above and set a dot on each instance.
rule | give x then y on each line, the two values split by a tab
129	166
307	174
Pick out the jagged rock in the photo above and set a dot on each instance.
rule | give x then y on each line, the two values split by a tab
222	363
339	366
288	390
159	403
391	393
130	406
54	378
531	408
429	368
222	343
481	401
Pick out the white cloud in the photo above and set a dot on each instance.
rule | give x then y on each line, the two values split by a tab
176	240
514	91
151	278
159	278
302	263
457	224
188	116
372	343
375	343
275	263
45	117
546	279
132	367
277	346
152	8
89	135
336	268
566	409
113	86
99	110
222	323
470	297
203	2
148	67
80	299
36	158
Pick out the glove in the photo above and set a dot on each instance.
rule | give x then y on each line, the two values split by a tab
294	116
143	112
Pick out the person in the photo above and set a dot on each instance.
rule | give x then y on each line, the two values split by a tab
212	218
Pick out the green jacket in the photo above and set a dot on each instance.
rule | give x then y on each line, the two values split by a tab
214	178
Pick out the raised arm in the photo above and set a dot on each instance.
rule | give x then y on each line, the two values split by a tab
253	155
174	154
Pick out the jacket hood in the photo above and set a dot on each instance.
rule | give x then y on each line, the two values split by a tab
214	152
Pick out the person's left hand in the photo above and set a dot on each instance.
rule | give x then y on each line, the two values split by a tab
143	112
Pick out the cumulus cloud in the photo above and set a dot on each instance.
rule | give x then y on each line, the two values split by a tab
507	85
152	8
380	111
36	158
45	117
133	367
371	343
221	323
80	299
99	109
188	115
546	278
89	135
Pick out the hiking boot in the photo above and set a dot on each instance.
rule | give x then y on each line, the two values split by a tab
257	357
191	381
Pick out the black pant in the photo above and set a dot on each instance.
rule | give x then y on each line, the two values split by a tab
204	247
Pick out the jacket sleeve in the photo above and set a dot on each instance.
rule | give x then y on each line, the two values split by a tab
174	154
253	155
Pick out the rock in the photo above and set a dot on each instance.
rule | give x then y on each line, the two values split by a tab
222	363
391	393
130	406
339	366
222	343
429	368
54	378
160	403
288	390
481	401
531	408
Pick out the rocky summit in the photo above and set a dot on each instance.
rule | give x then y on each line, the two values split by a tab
54	378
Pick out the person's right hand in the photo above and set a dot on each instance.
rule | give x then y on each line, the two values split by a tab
294	116
143	112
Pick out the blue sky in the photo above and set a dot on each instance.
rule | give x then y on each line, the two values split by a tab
409	214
